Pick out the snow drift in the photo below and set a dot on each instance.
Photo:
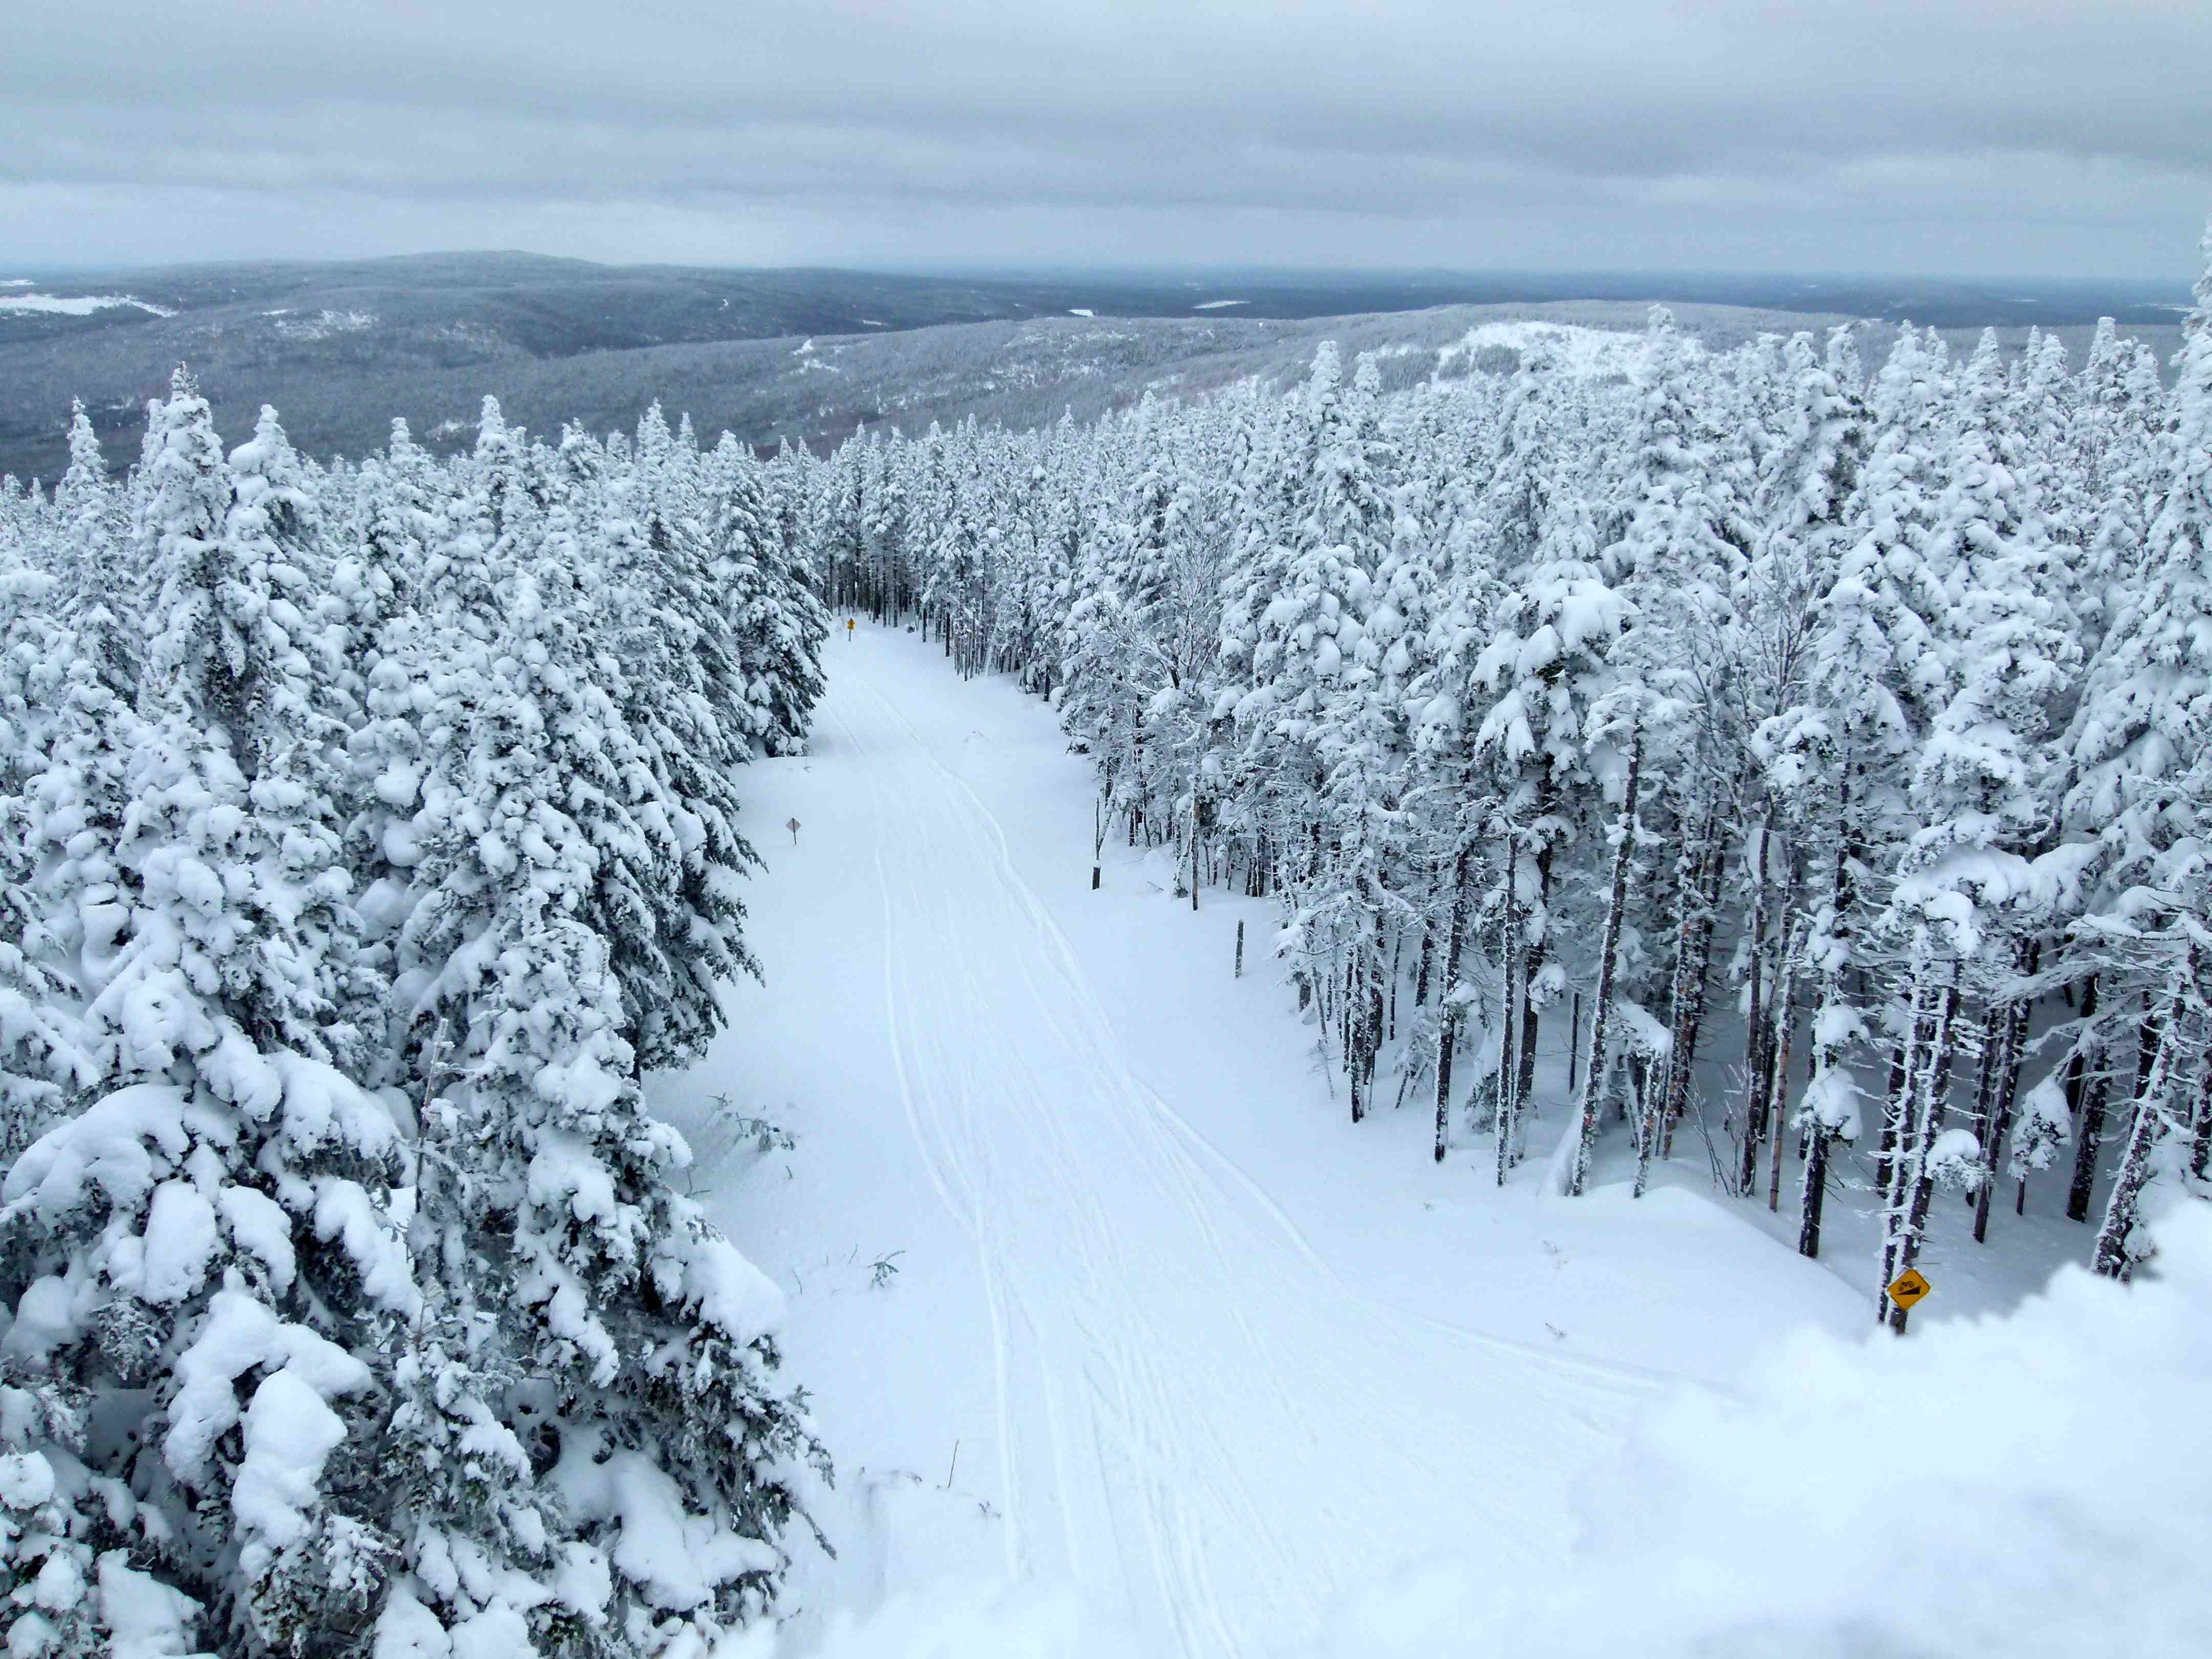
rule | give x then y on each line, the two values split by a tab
2039	1484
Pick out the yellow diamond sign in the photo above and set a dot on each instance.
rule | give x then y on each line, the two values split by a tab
1908	1287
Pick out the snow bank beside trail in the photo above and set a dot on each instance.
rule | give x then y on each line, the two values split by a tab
2035	1484
2039	1484
975	1621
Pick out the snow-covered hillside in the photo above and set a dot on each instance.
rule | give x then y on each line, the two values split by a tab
1374	994
73	305
1162	1356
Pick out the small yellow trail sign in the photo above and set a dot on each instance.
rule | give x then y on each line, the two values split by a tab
1908	1287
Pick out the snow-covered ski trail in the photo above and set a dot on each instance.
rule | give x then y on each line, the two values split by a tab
1198	1419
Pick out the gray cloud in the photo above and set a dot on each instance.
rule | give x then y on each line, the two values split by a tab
2042	138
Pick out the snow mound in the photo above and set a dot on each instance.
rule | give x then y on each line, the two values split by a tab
1978	1488
956	1620
2034	1485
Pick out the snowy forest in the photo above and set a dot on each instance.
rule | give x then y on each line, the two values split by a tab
369	833
1812	754
1846	724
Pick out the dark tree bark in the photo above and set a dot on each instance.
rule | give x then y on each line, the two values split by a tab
1779	1086
1624	859
1524	1088
2005	1096
1509	1018
1448	1027
2086	1088
2114	1257
1815	1189
1694	975
1920	1120
1754	1030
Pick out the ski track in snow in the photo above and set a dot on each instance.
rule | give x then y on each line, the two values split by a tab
1198	1420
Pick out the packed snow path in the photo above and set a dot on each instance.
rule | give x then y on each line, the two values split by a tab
1196	1418
1152	1316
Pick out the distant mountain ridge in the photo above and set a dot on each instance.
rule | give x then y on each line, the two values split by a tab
342	346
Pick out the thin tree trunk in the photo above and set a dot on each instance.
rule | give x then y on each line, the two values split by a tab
1914	1181
1356	1038
1194	848
2005	1095
1574	1043
2087	1091
1624	857
1885	1151
1833	1021
1754	1046
2200	1122
1784	988
1397	955
1509	1028
1687	867
1694	977
2113	1257
1897	1115
1815	1189
1448	1026
1524	1089
1647	1126
1426	963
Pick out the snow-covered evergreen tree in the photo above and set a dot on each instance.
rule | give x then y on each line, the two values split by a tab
344	1276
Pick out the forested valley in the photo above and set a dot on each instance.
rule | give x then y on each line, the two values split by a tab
1814	752
1855	720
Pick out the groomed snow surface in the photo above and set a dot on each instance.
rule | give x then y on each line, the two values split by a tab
1128	1343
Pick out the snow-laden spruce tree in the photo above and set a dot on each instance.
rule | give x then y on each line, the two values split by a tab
1366	751
1987	786
1490	518
1823	755
2139	745
198	1259
601	1352
754	578
39	1056
101	582
1111	661
1541	671
289	1365
1871	597
1708	455
375	567
1315	533
2114	472
669	677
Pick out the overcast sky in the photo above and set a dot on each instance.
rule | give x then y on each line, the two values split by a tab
2007	137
